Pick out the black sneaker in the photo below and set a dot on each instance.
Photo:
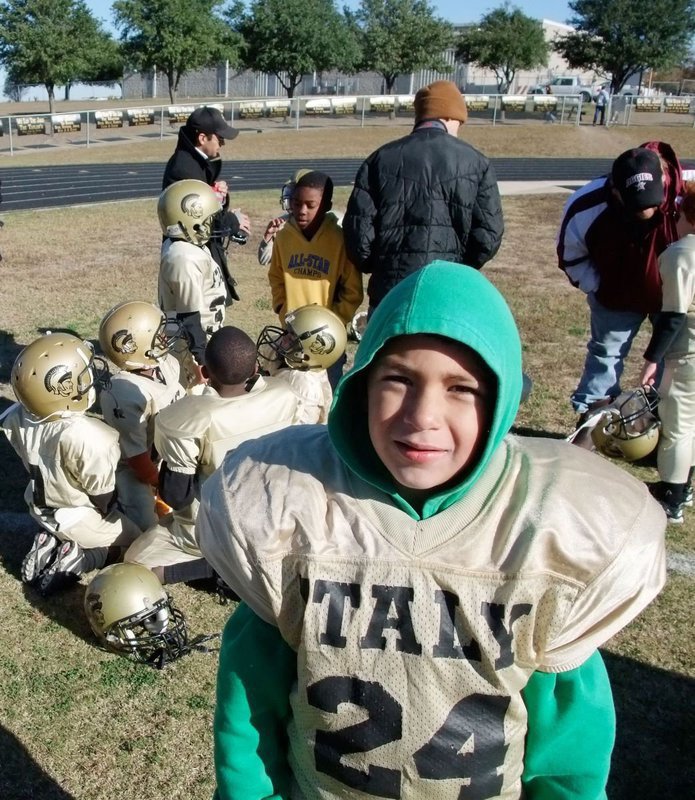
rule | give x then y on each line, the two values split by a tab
665	497
67	567
40	556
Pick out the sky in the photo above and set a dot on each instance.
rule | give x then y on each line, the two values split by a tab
451	10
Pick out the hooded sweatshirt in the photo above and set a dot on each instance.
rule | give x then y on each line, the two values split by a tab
392	651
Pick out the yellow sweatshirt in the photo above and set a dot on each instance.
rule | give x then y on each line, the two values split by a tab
317	271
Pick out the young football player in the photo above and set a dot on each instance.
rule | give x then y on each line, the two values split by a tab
192	290
133	336
313	339
71	460
192	437
673	340
309	263
424	594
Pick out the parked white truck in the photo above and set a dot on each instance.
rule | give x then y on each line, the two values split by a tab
568	85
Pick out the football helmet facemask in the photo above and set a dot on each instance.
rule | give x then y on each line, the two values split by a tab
131	614
628	428
58	374
288	188
313	338
136	335
186	210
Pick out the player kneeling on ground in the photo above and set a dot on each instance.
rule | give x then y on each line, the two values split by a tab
312	341
424	594
71	459
193	435
133	336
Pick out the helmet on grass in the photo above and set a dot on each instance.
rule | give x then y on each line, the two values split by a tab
131	614
629	427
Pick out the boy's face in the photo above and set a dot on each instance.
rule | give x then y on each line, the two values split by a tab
429	403
305	205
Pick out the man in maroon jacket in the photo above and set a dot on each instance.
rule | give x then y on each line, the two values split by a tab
612	232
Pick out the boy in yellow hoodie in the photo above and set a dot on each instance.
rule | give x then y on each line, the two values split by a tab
309	262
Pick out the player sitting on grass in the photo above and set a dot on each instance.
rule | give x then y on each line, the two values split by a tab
192	437
312	340
71	459
424	594
132	335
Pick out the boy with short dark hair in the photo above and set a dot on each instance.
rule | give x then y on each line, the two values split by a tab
309	263
424	594
192	436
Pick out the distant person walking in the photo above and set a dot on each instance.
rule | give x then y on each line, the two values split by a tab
602	100
426	196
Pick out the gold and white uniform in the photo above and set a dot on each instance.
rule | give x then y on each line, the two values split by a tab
414	638
193	436
130	405
68	460
191	281
314	391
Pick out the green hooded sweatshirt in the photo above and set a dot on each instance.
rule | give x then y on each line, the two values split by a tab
570	714
441	299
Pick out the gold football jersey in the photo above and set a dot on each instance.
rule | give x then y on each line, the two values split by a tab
414	638
131	402
194	434
190	280
67	459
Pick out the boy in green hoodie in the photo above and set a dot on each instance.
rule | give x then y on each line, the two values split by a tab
424	594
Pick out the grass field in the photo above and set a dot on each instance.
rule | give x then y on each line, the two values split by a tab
76	722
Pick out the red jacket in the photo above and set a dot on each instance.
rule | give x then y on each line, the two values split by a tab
596	231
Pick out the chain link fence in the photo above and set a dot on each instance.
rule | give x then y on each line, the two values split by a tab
93	126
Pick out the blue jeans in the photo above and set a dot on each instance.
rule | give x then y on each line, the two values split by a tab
612	334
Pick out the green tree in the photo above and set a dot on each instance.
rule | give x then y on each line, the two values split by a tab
505	41
290	38
618	38
174	36
398	37
49	42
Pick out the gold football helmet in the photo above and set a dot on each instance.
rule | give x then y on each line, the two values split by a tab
313	338
288	188
57	374
130	613
629	427
135	335
186	210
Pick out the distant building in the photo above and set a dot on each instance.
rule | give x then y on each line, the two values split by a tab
225	82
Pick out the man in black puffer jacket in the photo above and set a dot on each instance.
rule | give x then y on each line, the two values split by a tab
197	156
426	196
